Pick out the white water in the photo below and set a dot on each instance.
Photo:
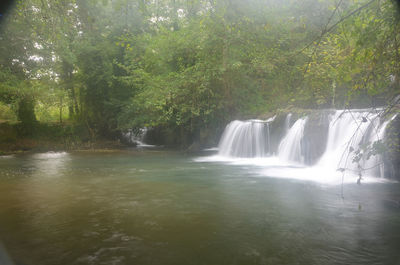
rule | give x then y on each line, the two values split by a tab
247	143
346	132
288	119
244	139
290	146
137	137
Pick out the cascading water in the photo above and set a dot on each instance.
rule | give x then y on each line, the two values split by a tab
347	133
287	122
245	139
137	137
290	148
375	165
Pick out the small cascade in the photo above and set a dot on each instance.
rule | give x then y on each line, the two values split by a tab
287	122
290	148
245	139
137	137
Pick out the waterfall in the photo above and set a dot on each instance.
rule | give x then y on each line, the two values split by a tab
268	138
245	139
348	131
287	122
290	148
346	137
374	165
137	137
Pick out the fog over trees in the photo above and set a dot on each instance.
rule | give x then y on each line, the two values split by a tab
189	65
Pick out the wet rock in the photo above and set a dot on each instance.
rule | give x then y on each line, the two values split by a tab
315	136
277	131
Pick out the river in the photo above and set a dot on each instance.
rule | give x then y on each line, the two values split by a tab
163	207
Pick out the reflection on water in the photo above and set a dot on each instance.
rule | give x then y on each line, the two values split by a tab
50	163
155	207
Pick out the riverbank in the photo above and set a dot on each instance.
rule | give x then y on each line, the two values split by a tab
39	146
51	137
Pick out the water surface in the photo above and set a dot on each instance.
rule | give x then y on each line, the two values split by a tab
161	207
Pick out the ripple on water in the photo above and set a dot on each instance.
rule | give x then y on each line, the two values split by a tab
121	237
235	215
106	256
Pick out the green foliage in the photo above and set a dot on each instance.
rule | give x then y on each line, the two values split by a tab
6	113
190	66
359	61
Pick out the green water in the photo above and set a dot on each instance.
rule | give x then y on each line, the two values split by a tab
159	207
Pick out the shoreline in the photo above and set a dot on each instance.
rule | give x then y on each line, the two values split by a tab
26	146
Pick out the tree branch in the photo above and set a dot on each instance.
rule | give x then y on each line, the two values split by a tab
335	25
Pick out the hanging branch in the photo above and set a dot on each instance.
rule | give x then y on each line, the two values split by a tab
322	34
335	25
381	113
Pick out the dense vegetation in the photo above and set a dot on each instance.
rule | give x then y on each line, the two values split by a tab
185	67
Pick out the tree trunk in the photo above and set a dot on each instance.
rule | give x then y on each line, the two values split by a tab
67	77
26	111
61	108
225	75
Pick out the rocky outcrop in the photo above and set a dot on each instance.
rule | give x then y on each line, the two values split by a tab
277	131
315	136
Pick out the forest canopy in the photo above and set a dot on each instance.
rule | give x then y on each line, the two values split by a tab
189	66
